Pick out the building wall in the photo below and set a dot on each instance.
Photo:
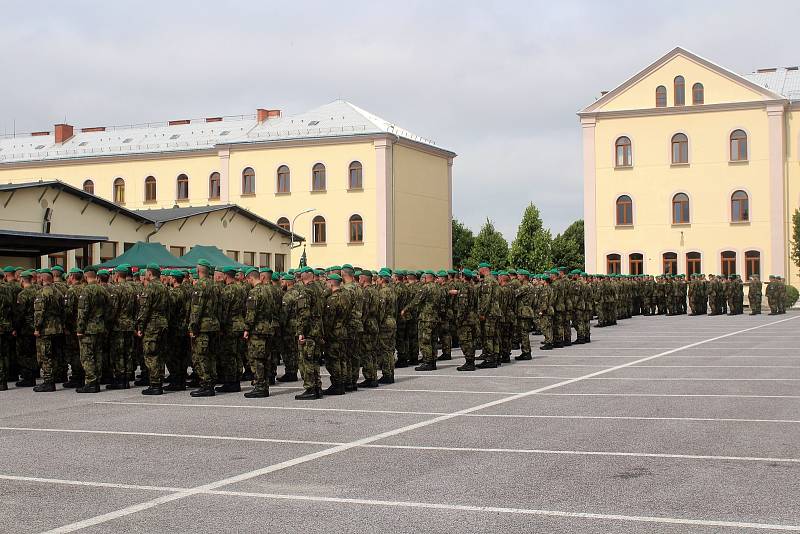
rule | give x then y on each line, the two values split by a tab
709	180
792	179
422	209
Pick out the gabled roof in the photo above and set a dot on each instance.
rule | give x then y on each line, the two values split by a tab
213	254
174	214
336	119
141	254
785	81
678	51
58	184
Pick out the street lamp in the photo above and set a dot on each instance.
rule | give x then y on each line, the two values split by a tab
291	228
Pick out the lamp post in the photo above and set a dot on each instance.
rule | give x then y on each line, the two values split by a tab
291	228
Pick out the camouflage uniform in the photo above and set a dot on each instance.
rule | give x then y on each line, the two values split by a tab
545	311
387	329
309	325
204	324
289	329
335	319
754	288
24	327
122	306
47	321
7	300
152	322
466	319
259	321
72	352
351	352
490	314
524	299
92	311
232	344
368	349
427	305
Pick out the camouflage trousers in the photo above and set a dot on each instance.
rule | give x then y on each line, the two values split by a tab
506	338
178	356
45	357
153	342
308	362
72	355
412	354
466	340
524	328
229	364
6	340
289	344
26	356
401	341
444	337
546	327
385	351
425	336
120	352
561	326
351	358
489	340
368	356
273	356
580	321
91	357
204	360
336	362
257	359
755	304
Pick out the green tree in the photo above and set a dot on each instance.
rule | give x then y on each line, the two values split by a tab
490	246
796	237
531	248
568	247
463	240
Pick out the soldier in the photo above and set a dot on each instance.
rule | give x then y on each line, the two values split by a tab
413	286
47	320
71	345
507	317
336	318
91	329
387	326
179	355
122	307
524	300
368	345
8	297
309	333
151	327
355	328
401	340
545	310
427	305
233	299
489	316
582	313
261	314
23	331
288	322
444	329
203	325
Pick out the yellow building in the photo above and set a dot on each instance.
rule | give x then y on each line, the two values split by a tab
689	168
380	195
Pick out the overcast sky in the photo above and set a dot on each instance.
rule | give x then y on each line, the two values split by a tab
499	83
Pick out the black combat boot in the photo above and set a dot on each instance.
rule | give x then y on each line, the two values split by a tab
469	365
386	379
176	385
401	364
93	387
26	383
486	364
203	392
154	389
74	382
258	392
271	380
229	387
334	389
119	383
444	358
524	357
426	367
143	380
368	384
288	377
45	387
506	358
309	394
546	346
558	345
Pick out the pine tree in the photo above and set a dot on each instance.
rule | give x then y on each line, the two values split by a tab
490	246
796	237
531	248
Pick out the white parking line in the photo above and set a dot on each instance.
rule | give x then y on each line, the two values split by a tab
87	483
670	395
262	407
110	516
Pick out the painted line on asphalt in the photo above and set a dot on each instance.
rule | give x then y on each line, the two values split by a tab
669	395
116	514
634	378
261	407
435	506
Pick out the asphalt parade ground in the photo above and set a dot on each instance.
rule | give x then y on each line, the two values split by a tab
660	425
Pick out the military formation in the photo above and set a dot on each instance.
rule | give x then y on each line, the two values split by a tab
93	327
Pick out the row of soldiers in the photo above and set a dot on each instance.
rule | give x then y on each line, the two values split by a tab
234	324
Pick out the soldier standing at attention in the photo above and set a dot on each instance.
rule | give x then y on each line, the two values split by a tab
203	324
23	331
465	317
489	316
401	338
413	286
443	331
7	300
338	312
47	321
508	317
524	297
122	310
368	346
71	345
308	334
90	329
387	326
355	327
261	311
545	310
151	327
233	299
427	305
754	294
288	320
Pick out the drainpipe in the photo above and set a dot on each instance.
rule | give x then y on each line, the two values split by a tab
158	226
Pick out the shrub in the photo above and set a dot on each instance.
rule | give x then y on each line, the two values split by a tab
791	295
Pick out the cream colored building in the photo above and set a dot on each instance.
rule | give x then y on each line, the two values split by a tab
380	195
689	167
50	222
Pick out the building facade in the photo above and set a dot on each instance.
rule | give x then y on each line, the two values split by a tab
358	188
691	168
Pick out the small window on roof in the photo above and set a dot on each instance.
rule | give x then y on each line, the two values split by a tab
128	140
313	123
83	143
225	132
174	136
39	147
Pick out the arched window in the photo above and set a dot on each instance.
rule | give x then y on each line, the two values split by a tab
318	177
356	229
283	222
214	186
669	261
624	211
249	181
738	145
119	191
740	207
752	264
680	209
88	186
319	230
680	148
661	96
698	94
613	263
284	180
624	155
693	263
150	189
679	85
636	263
728	259
182	189
355	180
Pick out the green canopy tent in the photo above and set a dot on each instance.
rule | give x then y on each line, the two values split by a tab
140	254
214	255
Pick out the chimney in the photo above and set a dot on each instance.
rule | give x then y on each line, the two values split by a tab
39	134
213	119
63	133
179	122
264	114
93	129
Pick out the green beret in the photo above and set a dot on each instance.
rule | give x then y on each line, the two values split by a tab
153	267
288	277
468	273
44	271
452	271
90	269
428	271
318	272
441	274
136	274
335	277
575	271
366	272
384	274
27	274
347	266
276	276
484	265
120	269
335	268
177	273
230	269
523	272
75	270
102	272
205	263
57	268
9	269
357	273
251	270
306	269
